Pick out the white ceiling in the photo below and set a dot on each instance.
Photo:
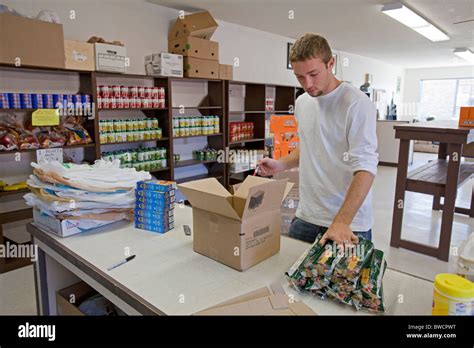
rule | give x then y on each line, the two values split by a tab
355	26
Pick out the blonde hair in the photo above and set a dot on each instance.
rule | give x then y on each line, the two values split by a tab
310	46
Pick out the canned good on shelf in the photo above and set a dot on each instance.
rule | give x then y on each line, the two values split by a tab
103	138
110	138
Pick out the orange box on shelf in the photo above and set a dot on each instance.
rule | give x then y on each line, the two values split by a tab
466	116
285	135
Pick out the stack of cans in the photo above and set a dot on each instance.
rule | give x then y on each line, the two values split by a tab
130	97
44	101
154	209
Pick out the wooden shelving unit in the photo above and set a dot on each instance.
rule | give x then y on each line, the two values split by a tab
254	111
215	103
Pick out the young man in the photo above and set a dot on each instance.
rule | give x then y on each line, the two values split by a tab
337	154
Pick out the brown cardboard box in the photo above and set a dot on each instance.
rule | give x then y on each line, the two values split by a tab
263	301
237	230
33	42
226	72
195	47
201	25
79	55
78	293
203	68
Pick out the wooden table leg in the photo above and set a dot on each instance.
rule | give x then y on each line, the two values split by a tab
455	152
442	154
399	201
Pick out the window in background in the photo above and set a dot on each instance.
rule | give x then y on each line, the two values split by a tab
442	99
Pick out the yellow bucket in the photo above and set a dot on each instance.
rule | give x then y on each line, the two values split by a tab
453	295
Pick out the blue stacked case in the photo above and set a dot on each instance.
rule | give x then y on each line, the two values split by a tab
154	209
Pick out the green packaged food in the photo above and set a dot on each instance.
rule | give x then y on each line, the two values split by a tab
354	260
369	295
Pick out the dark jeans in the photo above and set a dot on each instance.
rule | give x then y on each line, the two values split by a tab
307	232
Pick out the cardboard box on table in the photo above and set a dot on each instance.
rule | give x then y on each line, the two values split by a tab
238	230
263	301
31	42
201	25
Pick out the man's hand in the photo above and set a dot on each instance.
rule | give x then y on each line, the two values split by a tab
268	166
341	234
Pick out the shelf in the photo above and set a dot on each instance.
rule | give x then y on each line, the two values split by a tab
197	177
43	68
195	136
247	141
248	112
63	147
199	79
192	162
197	107
9	193
135	141
159	170
128	109
123	75
431	177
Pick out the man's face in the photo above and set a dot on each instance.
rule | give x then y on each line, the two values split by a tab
313	75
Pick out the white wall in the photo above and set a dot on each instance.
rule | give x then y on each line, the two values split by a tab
143	28
414	76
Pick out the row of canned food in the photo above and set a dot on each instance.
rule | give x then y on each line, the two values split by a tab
195	121
136	155
125	136
193	131
128	124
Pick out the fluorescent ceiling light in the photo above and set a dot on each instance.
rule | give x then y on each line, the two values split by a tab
465	53
407	17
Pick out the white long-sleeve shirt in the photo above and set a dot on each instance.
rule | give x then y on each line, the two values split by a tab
337	138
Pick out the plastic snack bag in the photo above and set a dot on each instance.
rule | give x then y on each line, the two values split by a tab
49	137
355	259
76	133
370	293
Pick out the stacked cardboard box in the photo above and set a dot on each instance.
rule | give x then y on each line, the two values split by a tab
190	37
290	203
154	209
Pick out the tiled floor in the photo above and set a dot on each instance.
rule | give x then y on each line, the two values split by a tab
421	224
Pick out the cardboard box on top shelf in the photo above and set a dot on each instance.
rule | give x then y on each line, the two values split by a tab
201	25
263	301
226	72
164	64
203	68
240	229
190	46
79	55
31	42
110	58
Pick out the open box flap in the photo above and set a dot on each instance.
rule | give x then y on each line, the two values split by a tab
264	197
208	194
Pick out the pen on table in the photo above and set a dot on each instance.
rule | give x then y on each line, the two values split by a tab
121	262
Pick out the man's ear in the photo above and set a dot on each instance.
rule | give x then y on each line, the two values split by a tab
330	64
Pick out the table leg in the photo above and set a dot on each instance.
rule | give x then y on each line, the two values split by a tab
41	284
399	201
442	154
455	151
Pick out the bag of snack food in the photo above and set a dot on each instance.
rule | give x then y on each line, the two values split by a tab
76	133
